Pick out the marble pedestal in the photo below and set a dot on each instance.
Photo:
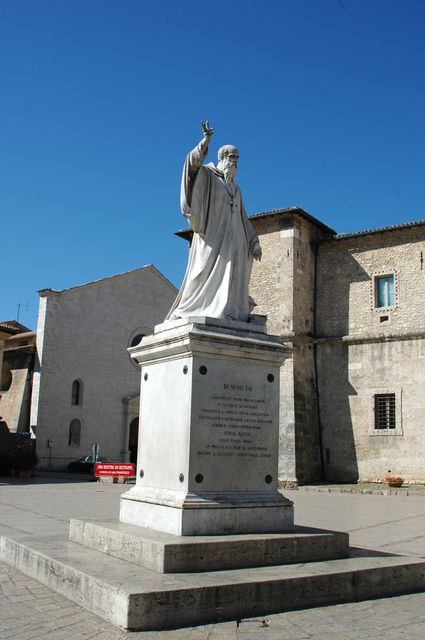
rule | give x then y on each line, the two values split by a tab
209	432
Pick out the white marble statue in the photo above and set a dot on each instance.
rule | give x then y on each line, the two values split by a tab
224	241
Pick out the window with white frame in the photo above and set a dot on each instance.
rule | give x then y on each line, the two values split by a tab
384	291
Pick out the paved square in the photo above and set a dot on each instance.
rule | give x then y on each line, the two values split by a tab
44	505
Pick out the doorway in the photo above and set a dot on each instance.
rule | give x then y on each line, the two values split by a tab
133	439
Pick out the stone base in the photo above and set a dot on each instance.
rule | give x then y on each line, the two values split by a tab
209	430
167	553
206	514
136	598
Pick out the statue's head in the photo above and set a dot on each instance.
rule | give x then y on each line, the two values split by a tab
228	157
228	152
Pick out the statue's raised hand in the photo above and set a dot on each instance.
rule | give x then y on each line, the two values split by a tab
206	129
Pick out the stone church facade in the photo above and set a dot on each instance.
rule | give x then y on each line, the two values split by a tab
85	388
352	308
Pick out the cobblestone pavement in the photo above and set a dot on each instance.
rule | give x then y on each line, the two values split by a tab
30	610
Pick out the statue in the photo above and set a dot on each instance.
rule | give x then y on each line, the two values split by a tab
224	241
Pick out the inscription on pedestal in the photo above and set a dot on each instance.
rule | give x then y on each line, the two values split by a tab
235	422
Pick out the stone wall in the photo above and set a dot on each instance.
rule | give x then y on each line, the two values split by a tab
364	350
282	284
272	279
356	349
349	376
345	281
15	401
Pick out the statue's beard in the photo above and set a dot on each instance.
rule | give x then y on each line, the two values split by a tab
229	172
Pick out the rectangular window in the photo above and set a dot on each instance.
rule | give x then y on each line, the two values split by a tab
385	411
384	291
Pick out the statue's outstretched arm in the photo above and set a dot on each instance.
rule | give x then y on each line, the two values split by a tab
207	130
197	155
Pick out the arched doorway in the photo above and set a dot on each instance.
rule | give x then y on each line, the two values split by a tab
133	439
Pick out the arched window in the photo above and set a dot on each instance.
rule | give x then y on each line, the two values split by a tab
137	334
137	338
74	435
77	392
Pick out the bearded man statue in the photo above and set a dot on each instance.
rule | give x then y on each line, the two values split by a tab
224	241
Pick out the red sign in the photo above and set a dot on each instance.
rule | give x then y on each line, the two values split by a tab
115	469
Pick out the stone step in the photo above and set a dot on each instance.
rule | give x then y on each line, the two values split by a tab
168	553
136	598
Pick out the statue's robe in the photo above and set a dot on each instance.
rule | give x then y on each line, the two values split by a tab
220	258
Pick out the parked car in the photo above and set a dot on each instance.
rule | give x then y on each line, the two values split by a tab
84	465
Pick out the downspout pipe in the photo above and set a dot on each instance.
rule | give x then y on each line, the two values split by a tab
315	246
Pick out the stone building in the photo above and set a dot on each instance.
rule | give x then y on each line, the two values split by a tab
352	307
85	387
373	335
16	377
17	350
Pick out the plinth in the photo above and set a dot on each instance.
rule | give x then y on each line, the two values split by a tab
209	430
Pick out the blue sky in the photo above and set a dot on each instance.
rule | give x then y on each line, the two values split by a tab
101	100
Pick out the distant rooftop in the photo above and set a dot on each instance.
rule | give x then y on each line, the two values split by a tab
299	211
331	234
44	292
187	233
394	227
13	327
